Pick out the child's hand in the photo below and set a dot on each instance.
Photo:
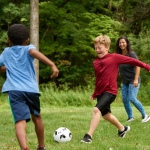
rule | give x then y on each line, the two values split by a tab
92	98
55	72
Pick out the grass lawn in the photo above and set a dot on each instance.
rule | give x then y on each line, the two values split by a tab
77	120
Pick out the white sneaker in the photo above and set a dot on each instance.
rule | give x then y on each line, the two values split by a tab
145	118
130	119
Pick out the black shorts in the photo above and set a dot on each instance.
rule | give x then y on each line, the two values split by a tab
104	101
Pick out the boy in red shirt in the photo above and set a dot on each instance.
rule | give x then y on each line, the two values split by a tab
106	71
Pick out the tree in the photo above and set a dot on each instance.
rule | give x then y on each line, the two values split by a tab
34	31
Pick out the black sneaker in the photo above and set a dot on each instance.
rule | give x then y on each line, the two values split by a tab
41	148
87	139
123	133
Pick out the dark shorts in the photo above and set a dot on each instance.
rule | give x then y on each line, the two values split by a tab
104	101
23	104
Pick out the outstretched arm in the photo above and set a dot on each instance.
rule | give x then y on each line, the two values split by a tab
137	73
36	54
2	69
120	59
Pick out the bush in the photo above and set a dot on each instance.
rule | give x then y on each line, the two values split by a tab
63	96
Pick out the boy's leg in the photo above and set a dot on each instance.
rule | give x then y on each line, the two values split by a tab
39	129
104	100
20	127
95	121
113	120
122	130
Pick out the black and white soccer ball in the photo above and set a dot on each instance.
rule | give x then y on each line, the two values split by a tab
62	134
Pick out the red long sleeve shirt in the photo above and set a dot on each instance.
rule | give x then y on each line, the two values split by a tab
106	72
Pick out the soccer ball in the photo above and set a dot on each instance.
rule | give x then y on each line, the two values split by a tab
62	134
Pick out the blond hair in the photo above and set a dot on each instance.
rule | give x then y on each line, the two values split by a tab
103	39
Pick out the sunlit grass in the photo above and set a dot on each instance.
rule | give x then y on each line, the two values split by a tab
72	108
77	119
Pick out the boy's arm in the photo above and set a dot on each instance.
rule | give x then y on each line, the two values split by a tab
2	68
120	59
36	54
137	73
94	96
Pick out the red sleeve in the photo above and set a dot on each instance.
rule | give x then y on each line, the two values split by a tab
128	60
94	94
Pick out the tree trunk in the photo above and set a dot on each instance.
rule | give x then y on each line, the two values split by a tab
34	31
124	9
109	5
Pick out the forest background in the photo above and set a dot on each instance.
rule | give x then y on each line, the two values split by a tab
67	29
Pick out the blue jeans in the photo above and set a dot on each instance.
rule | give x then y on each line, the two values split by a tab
129	94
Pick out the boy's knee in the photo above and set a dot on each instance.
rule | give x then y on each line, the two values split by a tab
35	119
96	110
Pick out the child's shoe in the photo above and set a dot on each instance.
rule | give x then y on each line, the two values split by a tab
123	133
87	139
27	148
41	148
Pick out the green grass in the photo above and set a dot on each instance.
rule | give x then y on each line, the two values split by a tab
77	119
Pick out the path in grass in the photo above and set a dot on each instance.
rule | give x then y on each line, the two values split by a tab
78	121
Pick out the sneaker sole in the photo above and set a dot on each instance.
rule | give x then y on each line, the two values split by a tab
126	132
130	120
146	120
85	142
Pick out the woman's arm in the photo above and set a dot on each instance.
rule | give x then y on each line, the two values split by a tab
137	73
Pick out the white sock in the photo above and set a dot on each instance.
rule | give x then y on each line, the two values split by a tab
122	129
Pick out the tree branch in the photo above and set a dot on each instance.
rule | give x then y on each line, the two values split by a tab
64	3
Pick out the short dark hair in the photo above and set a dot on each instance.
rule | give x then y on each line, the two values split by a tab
118	49
18	33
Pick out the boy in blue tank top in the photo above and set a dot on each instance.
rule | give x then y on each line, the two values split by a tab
21	84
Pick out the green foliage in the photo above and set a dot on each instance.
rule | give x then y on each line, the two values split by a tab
68	39
64	96
3	40
67	30
11	13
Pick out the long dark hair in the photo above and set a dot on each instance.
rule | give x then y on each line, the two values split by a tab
118	49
